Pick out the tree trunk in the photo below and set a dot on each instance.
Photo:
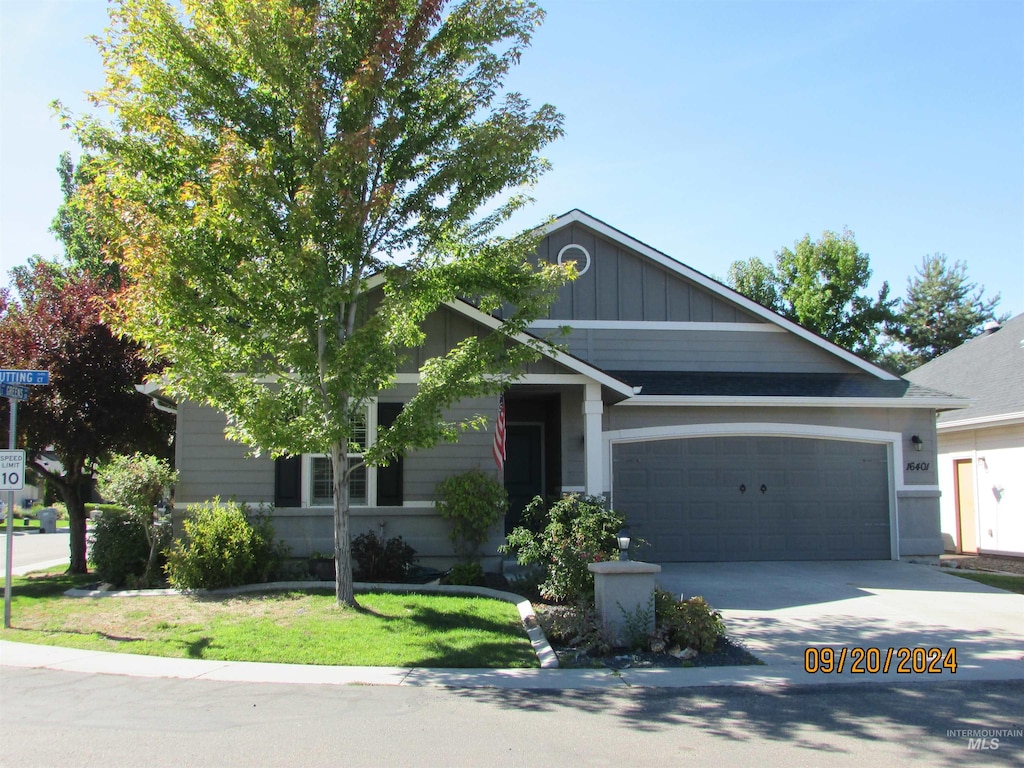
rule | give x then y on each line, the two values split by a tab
73	492
342	541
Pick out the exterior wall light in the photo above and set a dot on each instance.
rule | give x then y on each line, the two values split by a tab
622	537
917	441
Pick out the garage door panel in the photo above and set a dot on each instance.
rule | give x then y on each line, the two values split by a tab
667	513
667	478
824	499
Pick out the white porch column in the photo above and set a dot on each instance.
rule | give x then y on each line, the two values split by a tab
593	408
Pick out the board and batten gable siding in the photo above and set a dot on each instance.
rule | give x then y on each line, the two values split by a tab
211	465
444	329
623	285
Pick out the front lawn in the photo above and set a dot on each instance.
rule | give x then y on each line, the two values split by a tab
394	630
29	524
998	580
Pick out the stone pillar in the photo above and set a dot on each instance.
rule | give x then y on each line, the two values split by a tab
593	409
624	589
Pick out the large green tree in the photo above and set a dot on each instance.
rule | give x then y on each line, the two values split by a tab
81	233
820	284
941	310
297	185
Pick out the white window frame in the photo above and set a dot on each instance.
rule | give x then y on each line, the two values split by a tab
371	472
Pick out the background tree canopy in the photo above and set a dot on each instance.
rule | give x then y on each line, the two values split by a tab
942	310
51	321
820	284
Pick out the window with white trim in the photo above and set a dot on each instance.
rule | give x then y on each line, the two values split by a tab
319	483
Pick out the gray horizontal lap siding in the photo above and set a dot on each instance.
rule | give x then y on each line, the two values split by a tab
713	351
425	469
210	465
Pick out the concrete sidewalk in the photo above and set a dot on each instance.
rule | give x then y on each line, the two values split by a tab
96	662
777	610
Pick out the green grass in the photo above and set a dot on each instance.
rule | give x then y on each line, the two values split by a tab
32	524
997	580
395	630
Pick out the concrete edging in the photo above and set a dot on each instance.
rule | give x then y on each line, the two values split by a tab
545	654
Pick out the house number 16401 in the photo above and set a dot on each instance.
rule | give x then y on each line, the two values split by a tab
917	466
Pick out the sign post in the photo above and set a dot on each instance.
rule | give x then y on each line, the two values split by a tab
14	386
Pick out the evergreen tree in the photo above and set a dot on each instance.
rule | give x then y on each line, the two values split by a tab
942	310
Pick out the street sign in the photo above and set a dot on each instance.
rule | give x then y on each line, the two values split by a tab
14	391
12	470
8	376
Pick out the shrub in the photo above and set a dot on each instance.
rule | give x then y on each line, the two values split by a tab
380	560
575	626
687	623
137	482
223	548
579	530
119	548
469	573
472	502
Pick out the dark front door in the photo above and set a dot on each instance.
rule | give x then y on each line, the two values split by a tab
524	468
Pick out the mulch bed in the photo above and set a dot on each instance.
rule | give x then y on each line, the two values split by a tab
726	654
991	563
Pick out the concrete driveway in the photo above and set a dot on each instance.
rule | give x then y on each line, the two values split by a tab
778	610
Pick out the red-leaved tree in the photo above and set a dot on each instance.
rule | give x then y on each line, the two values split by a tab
91	409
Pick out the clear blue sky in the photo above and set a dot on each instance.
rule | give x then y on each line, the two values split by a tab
713	131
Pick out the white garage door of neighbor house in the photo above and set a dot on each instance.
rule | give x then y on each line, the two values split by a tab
754	498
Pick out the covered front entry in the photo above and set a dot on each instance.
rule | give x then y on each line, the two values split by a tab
532	450
754	498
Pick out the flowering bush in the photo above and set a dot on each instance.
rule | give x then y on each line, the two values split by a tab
577	530
687	623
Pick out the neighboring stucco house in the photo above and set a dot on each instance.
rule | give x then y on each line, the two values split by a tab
721	430
981	448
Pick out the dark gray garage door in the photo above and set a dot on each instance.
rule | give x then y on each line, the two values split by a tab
754	498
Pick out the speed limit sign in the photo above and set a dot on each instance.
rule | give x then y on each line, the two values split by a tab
12	470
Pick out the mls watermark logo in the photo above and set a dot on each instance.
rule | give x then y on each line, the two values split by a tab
986	739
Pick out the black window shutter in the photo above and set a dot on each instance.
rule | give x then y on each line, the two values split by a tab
288	481
389	478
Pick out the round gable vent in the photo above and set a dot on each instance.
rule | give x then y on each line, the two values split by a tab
582	258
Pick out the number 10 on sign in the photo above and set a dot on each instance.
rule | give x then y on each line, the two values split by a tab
12	470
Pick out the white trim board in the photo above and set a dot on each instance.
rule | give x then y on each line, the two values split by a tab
609	232
654	325
526	378
789	402
570	362
982	422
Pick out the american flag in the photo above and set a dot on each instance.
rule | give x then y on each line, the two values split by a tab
499	436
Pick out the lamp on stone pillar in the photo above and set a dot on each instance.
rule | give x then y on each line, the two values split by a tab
622	537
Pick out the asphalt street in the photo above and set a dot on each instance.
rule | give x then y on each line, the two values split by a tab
56	718
35	549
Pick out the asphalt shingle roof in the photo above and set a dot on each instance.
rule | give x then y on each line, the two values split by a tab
771	385
987	368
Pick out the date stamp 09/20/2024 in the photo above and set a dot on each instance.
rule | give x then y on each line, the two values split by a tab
871	660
